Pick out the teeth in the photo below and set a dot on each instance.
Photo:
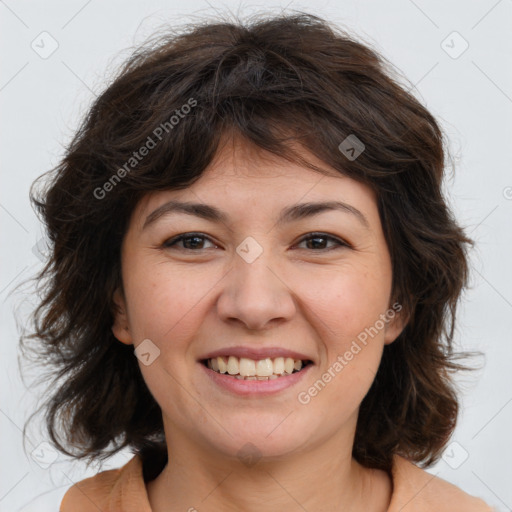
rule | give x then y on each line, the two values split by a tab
279	365
264	368
223	367
233	366
249	369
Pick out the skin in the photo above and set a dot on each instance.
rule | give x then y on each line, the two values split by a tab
296	295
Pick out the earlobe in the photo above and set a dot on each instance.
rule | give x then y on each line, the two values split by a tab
396	324
120	326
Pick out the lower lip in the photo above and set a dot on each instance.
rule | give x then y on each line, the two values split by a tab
255	387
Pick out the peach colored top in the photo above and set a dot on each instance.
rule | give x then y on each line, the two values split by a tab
124	490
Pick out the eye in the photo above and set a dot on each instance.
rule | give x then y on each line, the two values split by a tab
195	242
317	238
192	240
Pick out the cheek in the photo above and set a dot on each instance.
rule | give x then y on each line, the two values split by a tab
351	306
164	304
347	301
350	348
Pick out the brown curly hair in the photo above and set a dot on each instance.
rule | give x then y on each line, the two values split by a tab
276	81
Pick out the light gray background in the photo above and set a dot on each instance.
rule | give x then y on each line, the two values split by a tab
42	100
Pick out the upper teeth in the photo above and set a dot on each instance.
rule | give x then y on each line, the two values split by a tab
249	367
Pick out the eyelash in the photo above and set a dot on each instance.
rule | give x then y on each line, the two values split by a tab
170	243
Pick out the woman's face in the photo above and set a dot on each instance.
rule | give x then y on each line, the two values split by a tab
263	278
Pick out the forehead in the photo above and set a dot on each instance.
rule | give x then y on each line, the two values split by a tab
238	156
243	176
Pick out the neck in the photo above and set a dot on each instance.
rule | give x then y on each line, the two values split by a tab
324	477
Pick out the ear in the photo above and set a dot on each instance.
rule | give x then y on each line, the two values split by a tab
120	326
396	322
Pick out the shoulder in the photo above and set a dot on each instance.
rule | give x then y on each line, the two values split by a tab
106	490
91	492
415	490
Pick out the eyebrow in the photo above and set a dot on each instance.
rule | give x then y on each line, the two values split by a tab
288	214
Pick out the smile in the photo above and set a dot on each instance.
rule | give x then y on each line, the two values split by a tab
250	369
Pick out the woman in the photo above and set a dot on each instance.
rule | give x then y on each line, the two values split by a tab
254	280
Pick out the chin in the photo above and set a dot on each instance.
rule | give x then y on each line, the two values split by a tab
263	439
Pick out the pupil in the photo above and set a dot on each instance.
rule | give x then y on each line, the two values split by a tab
314	240
193	238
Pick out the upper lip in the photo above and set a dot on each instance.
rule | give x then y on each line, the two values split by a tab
256	353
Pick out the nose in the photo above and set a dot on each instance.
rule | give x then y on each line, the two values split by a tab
255	294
